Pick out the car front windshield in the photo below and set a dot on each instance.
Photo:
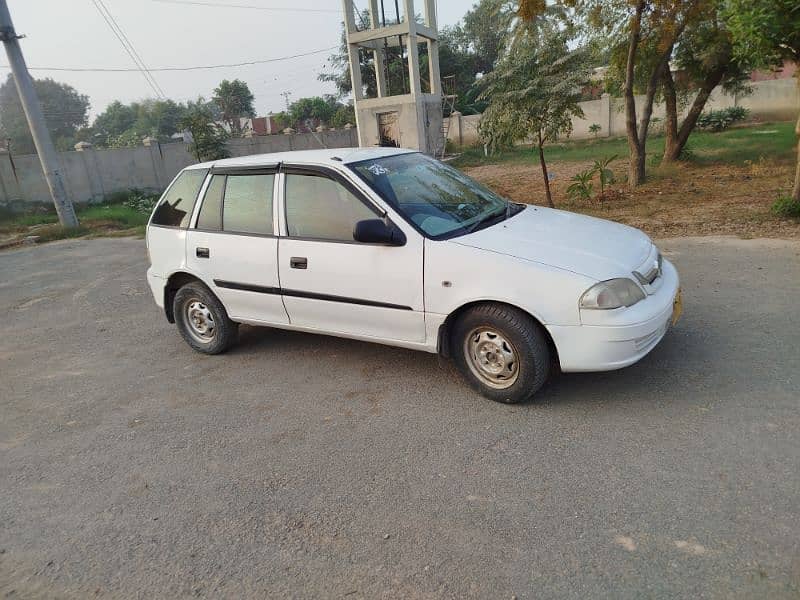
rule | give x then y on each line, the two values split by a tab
440	200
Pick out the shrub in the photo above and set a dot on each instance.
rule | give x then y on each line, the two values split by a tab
141	202
582	188
785	206
719	120
594	129
606	175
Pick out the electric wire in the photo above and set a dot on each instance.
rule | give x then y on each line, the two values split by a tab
108	18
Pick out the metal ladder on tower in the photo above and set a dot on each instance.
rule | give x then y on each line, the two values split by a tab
448	105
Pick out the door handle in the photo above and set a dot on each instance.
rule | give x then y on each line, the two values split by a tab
202	253
298	262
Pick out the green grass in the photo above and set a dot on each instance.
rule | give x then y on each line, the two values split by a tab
98	219
774	141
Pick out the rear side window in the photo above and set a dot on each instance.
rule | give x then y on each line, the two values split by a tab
175	208
247	204
210	216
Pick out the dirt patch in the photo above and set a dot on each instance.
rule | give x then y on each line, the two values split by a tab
681	200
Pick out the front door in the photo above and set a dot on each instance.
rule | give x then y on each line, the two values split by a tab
334	284
234	247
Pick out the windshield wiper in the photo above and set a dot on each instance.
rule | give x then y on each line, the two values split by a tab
486	218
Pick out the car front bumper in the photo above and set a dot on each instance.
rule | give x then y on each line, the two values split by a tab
614	339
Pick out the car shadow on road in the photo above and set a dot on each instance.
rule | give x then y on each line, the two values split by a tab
660	374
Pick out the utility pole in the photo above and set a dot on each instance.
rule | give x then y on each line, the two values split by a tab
33	112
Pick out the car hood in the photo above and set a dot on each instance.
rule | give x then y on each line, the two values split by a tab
593	247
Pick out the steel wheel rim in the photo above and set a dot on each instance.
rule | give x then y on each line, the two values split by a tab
491	357
200	321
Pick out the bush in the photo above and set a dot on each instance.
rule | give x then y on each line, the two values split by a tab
785	206
141	203
583	186
719	120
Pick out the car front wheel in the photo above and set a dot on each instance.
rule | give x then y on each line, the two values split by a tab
202	320
501	351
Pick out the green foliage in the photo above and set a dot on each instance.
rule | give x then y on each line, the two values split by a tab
235	101
534	91
327	110
344	114
764	32
126	125
129	138
141	202
208	138
771	141
719	120
65	111
582	187
786	206
485	32
282	120
314	108
605	174
594	129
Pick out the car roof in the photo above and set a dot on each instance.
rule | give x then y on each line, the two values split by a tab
332	156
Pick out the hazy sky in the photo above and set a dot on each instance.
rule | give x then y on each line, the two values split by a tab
72	33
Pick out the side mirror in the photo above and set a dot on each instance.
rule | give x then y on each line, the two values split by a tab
376	231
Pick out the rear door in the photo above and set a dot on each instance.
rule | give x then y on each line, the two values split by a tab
332	283
234	246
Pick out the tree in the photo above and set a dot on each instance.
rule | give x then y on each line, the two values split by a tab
124	125
208	138
65	110
639	37
344	114
113	121
704	57
321	109
235	100
534	92
764	33
485	30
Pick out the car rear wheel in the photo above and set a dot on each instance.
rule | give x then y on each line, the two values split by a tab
501	351
202	320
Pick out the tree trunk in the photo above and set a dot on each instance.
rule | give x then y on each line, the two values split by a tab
671	118
650	96
636	164
672	152
544	172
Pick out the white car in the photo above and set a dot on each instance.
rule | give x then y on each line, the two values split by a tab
391	246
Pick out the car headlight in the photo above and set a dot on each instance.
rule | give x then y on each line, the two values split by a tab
613	293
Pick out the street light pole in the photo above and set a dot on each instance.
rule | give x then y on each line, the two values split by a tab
33	112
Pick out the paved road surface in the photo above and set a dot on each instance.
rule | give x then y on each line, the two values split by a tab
304	466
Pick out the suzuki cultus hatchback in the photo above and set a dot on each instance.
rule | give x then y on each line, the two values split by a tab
391	246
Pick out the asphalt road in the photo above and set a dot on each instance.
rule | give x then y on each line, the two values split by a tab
306	466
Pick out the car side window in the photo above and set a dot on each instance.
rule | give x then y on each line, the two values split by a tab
247	204
322	208
175	208
210	217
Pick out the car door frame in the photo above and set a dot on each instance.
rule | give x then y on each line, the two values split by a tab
363	194
221	291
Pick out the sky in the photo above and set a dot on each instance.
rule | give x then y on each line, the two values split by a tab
74	34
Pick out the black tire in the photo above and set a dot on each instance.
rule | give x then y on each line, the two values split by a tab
524	342
223	332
